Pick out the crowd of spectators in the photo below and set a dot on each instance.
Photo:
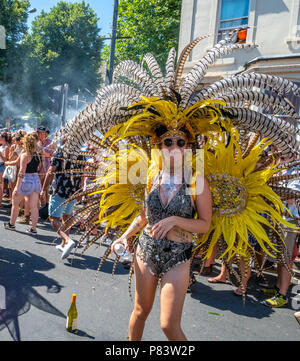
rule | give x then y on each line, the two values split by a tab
35	183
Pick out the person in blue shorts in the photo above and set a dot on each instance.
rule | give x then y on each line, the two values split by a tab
63	187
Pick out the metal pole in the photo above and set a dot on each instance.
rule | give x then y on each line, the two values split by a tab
2	37
113	42
77	100
64	104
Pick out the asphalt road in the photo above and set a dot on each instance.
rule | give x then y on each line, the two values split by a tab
38	288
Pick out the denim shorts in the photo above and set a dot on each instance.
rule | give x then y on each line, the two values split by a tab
2	168
55	209
31	183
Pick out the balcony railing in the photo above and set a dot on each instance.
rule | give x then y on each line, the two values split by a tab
230	24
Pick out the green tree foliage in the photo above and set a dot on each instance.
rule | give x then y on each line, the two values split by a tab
13	17
64	47
153	26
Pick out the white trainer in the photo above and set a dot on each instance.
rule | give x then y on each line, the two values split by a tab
67	249
59	247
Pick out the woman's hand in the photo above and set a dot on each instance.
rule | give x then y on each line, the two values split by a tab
43	195
161	228
16	192
121	240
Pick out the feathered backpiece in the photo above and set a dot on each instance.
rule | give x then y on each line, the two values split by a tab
239	117
137	90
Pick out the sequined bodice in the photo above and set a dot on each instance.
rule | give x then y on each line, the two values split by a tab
180	205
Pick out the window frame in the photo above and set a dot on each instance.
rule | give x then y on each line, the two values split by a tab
219	31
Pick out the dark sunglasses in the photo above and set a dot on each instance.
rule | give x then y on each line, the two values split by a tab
180	142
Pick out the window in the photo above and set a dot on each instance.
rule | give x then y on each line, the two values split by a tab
233	14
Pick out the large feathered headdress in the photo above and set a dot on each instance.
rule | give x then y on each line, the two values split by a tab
151	94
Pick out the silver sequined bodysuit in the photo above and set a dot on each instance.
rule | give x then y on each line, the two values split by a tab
163	254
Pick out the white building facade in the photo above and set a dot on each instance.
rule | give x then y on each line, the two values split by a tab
273	26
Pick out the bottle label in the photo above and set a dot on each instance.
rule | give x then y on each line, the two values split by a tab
72	325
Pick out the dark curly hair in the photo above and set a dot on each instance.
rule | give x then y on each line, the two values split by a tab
6	136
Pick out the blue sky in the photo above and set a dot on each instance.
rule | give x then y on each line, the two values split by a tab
102	8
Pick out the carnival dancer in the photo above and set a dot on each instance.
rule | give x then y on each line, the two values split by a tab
164	248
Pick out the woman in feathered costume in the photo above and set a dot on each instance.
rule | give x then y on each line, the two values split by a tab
145	110
164	249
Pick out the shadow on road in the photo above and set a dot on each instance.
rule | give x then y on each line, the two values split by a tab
88	262
225	299
83	261
83	334
19	273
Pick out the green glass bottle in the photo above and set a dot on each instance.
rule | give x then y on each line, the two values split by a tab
71	325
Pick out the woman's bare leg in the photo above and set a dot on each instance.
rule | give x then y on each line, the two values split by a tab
67	220
57	225
145	288
284	278
26	207
173	290
16	200
221	277
33	201
211	260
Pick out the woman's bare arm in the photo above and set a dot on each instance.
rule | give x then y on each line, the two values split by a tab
22	171
138	223
13	162
23	163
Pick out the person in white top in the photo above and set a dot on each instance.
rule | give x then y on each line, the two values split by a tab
4	153
14	158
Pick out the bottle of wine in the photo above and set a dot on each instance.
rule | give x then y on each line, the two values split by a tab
71	325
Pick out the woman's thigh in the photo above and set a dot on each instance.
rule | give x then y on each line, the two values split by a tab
174	285
145	285
17	199
33	198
